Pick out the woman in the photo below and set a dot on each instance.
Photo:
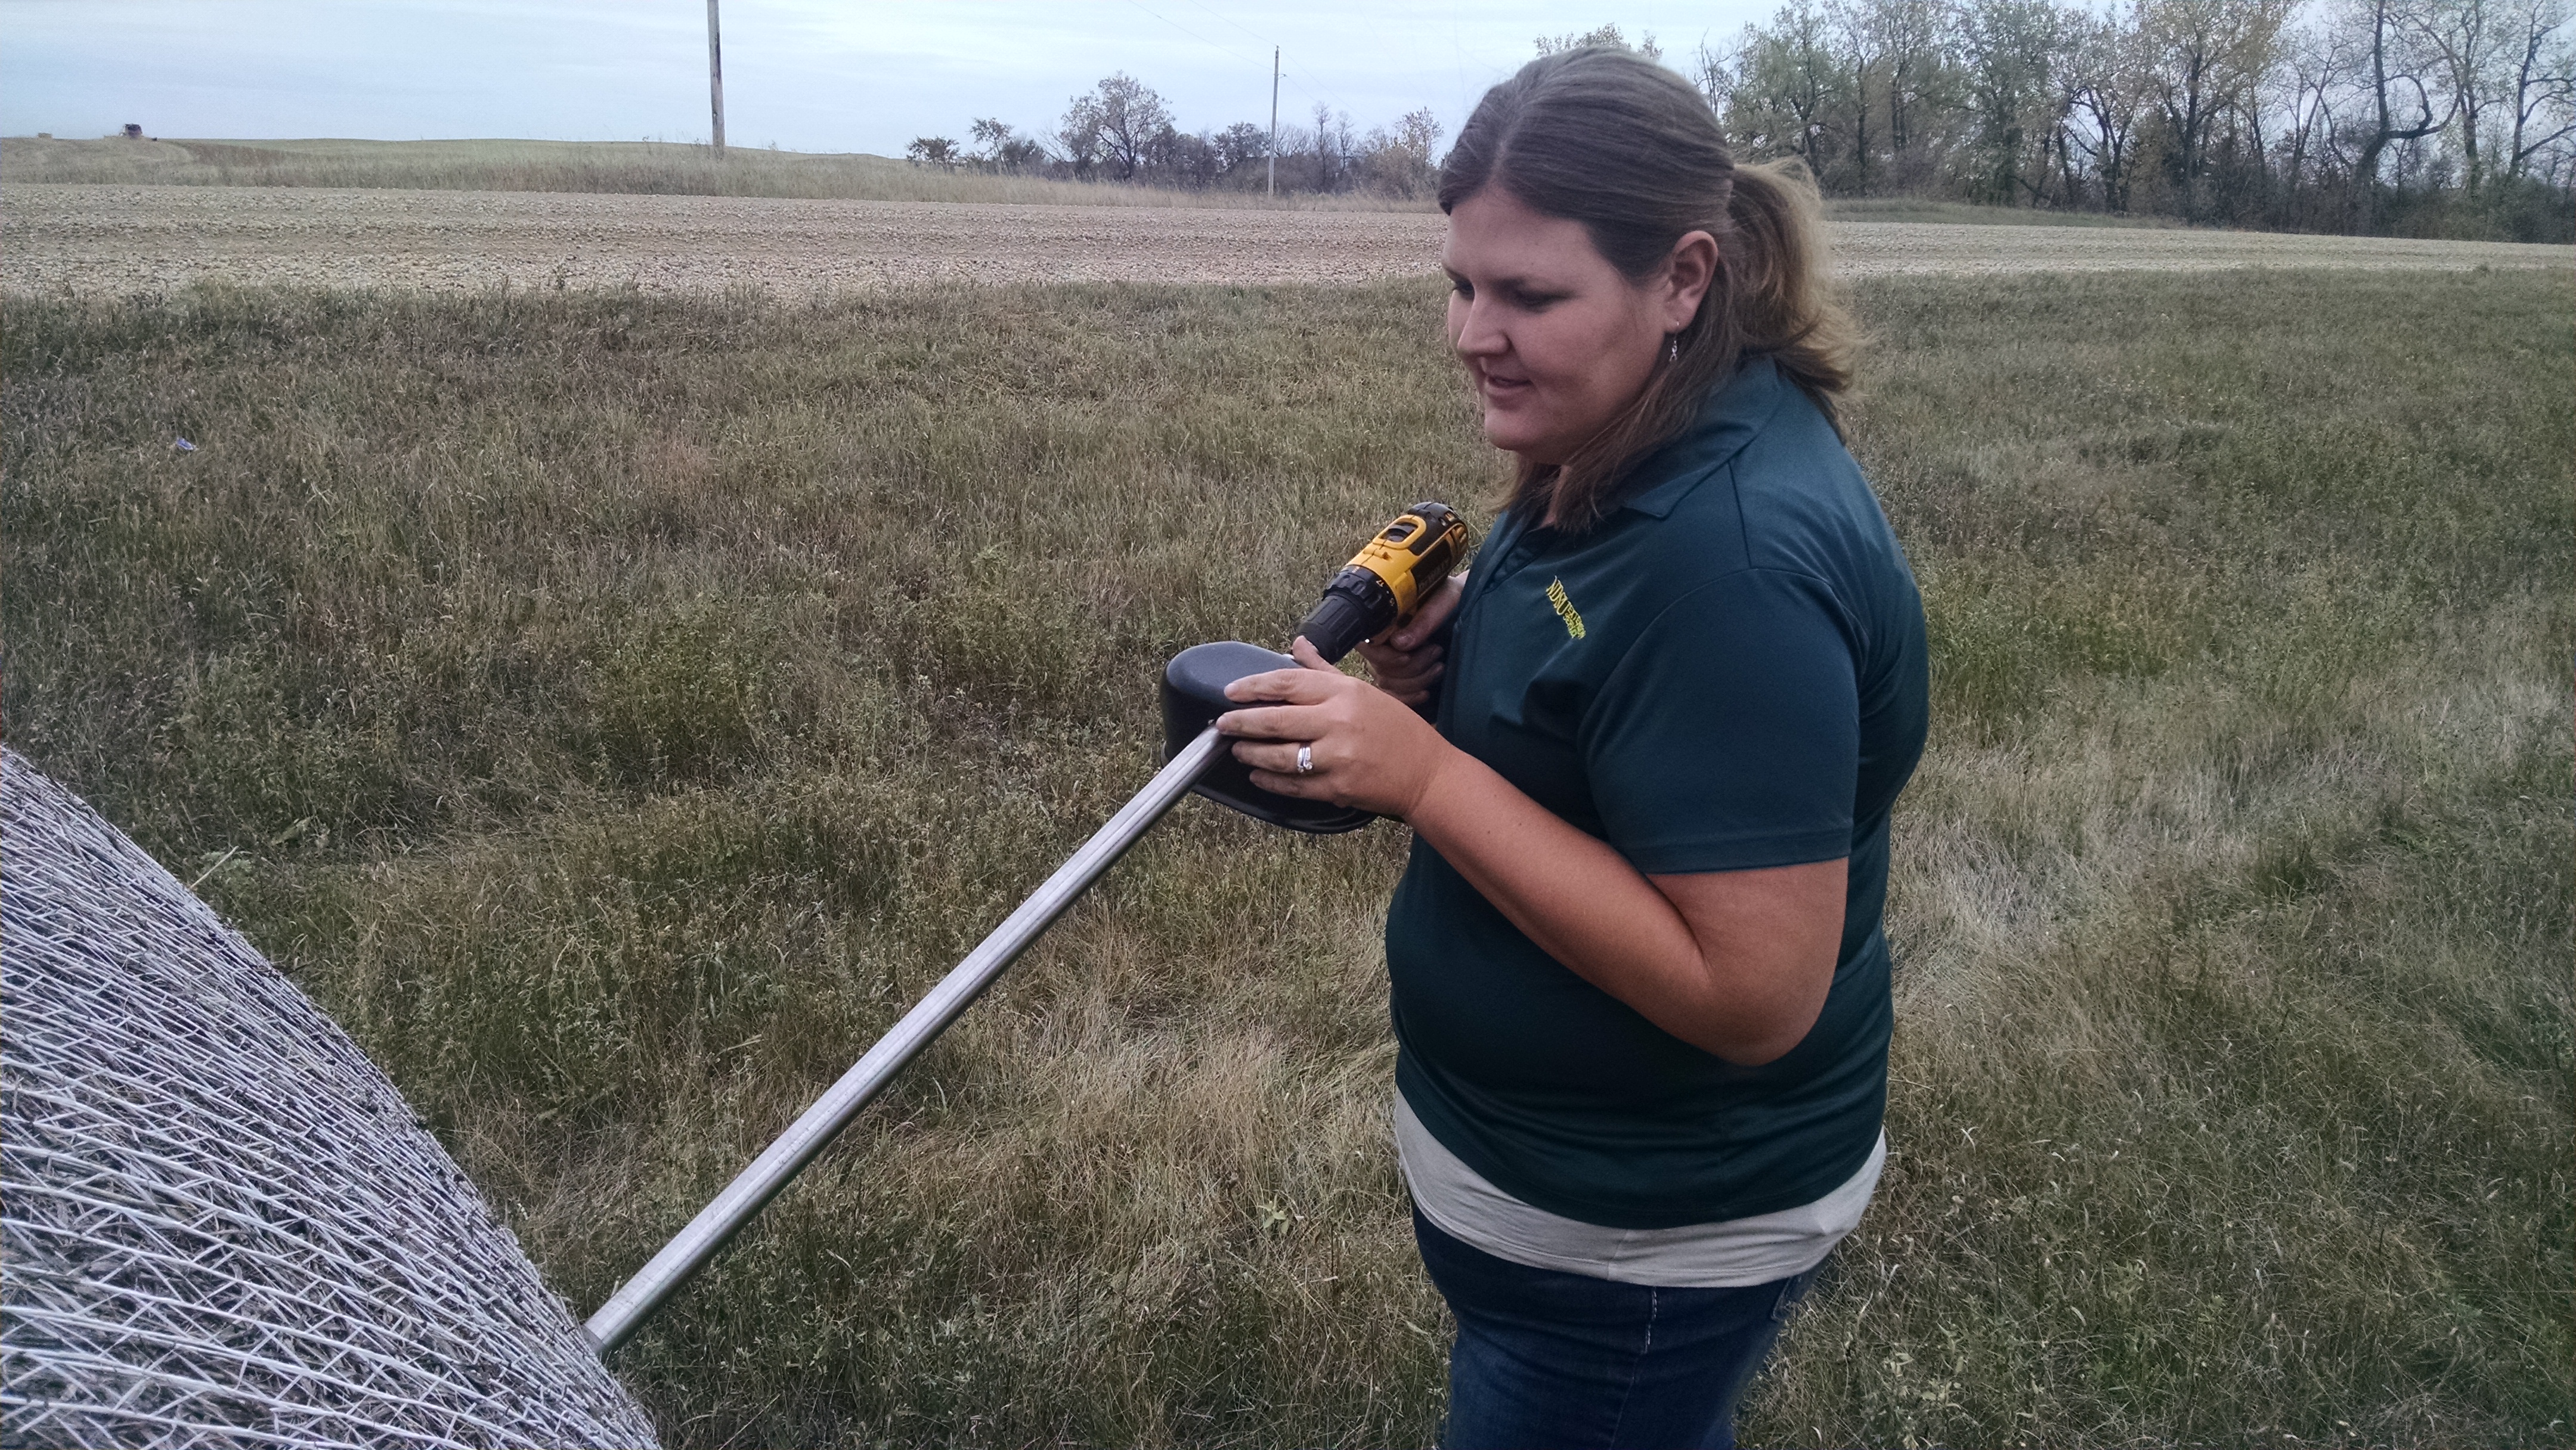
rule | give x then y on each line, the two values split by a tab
1639	986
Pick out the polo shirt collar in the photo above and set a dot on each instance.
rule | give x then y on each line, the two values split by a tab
1729	419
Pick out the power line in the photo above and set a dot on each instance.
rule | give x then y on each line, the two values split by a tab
1290	73
1192	34
1237	24
1274	41
1270	40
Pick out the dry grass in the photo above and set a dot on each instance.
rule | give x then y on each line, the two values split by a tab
655	168
627	704
667	168
1919	209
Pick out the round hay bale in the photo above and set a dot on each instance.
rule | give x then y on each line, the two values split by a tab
222	1224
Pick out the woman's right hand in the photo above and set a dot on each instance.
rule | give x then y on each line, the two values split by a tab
1406	662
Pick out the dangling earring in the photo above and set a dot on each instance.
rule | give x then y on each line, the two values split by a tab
1673	347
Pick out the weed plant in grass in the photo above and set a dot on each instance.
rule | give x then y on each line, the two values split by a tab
624	706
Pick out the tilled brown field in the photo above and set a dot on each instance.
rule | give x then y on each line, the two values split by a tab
92	238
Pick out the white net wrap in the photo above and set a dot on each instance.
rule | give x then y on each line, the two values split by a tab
222	1224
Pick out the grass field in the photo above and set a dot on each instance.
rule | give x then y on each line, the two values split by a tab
1960	213
661	168
679	169
622	706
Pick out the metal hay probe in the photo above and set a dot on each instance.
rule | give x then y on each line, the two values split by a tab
1377	590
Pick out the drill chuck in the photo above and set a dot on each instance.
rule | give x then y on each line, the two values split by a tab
1355	605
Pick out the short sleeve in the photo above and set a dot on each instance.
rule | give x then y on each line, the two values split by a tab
1728	738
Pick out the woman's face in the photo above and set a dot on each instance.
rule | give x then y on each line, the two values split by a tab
1556	339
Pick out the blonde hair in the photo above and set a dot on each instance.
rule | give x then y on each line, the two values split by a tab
1607	138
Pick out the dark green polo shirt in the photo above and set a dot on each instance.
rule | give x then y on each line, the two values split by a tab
1727	673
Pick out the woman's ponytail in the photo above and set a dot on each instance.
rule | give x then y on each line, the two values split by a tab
1607	138
1784	307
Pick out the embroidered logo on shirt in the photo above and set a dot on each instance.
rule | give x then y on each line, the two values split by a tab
1565	609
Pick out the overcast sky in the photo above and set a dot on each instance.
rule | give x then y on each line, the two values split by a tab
807	74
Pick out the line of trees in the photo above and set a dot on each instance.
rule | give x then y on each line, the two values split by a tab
1123	131
2411	117
2422	117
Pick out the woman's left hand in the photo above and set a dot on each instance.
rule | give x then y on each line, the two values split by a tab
1369	750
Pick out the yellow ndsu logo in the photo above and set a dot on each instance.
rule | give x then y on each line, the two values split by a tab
1565	609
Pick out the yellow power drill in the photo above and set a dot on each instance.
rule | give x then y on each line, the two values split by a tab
1387	580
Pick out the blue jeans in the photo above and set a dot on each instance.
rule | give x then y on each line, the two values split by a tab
1557	1360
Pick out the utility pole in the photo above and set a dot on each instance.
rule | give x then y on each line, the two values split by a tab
715	81
1272	189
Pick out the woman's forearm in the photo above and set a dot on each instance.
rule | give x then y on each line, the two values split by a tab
1737	975
1737	963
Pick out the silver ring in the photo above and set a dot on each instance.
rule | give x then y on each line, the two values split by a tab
1305	760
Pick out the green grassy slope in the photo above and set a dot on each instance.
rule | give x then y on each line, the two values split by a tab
623	707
